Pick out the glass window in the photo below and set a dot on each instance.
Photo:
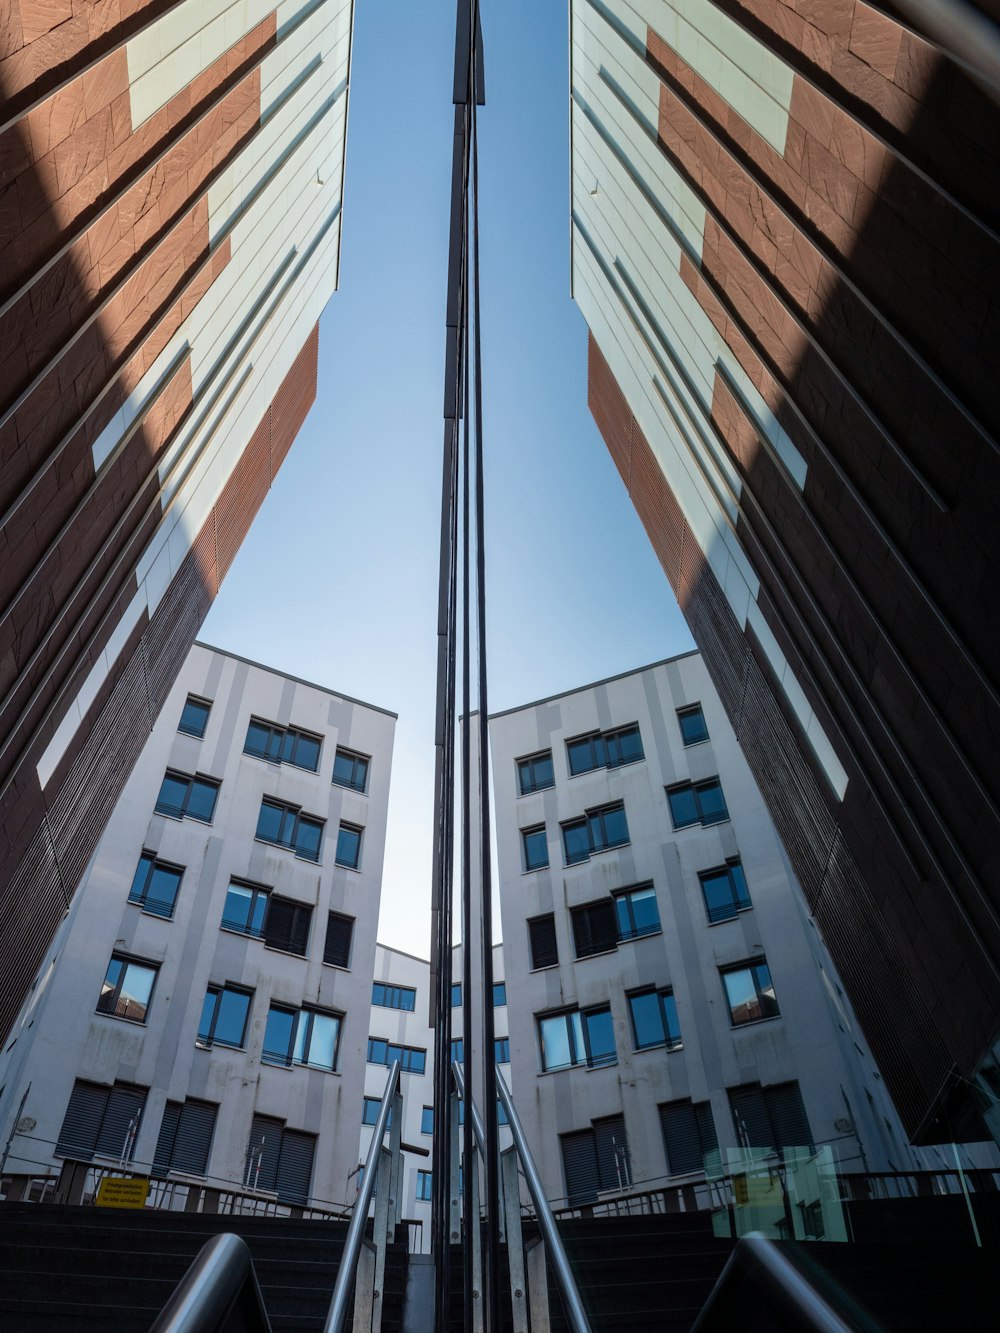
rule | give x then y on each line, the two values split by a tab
654	1019
412	1059
286	826
339	934
597	831
594	928
394	997
609	749
623	747
302	1036
585	753
351	770
456	994
542	941
725	890
370	1110
692	724
224	1016
535	773
499	994
185	797
750	993
701	803
427	1120
501	1050
155	885
574	1038
127	988
282	745
348	846
688	1135
536	848
424	1186
194	716
636	912
457	1050
244	909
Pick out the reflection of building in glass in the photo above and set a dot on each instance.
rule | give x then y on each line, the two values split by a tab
172	187
784	245
669	995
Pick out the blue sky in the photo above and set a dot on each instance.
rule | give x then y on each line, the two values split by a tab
337	580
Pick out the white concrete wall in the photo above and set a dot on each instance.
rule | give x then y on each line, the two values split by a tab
60	1037
814	1039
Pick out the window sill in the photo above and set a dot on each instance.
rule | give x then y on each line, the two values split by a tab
279	763
725	920
642	935
120	1018
615	847
660	1046
344	786
148	911
216	1045
266	842
341	865
338	967
598	953
195	735
289	953
549	967
754	1022
533	870
567	1069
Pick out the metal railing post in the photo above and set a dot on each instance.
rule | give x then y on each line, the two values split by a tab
473	1231
336	1318
221	1271
384	1205
515	1243
395	1184
454	1199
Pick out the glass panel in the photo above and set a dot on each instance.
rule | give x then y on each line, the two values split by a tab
427	1120
269	822
456	995
107	998
645	912
582	756
647	1020
739	884
239	906
278	1035
162	892
615	827
231	1023
629	746
765	991
306	753
417	1062
201	800
300	1050
683	807
308	837
501	1050
693	727
207	1014
133	997
256	924
673	1028
172	794
576	841
348	846
257	739
600	1037
499	994
543	772
369	1112
138	890
719	900
536	849
713	807
554	1034
194	716
377	1051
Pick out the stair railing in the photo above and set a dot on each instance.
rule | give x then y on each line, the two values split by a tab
777	1285
221	1278
362	1265
511	1223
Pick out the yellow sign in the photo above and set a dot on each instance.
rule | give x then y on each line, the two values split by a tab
749	1190
122	1192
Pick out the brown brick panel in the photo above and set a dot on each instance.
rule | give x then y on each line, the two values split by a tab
889	78
77	152
243	495
293	400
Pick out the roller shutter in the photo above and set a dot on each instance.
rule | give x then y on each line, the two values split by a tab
263	1150
614	1167
82	1121
688	1135
185	1138
788	1116
595	928
286	925
295	1165
542	935
580	1166
339	930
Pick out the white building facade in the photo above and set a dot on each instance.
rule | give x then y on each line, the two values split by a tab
203	1011
672	996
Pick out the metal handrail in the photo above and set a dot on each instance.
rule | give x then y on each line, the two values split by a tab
758	1258
336	1318
222	1269
575	1312
478	1128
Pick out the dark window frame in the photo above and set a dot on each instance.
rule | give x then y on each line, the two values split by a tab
691	711
405	1053
594	820
393	992
696	788
198	702
142	899
306	1014
297	815
257	892
578	1057
370	1107
525	768
424	1120
739	891
210	1039
423	1187
345	827
107	1007
605	749
753	966
355	756
700	1126
191	780
671	1041
532	832
500	986
625	896
278	738
501	1050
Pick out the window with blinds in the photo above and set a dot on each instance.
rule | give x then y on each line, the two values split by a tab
101	1120
286	925
185	1138
595	928
688	1135
596	1160
339	933
542	939
279	1160
772	1117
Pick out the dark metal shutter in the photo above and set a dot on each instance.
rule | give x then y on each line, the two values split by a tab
163	1157
750	1117
614	1167
542	934
264	1147
339	930
682	1137
706	1127
194	1137
594	928
82	1121
125	1105
286	925
295	1165
789	1125
579	1154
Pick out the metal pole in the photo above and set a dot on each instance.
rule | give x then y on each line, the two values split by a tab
336	1318
575	1312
